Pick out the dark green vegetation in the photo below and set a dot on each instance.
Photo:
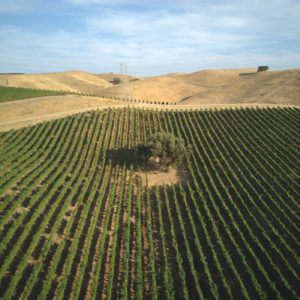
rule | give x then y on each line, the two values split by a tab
14	93
165	147
76	222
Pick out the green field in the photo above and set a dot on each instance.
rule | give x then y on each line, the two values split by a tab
16	93
76	222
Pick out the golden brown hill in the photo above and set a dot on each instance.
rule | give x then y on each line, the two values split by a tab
199	88
164	88
111	76
245	86
75	81
215	87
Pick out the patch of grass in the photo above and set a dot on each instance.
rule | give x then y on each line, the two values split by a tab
15	93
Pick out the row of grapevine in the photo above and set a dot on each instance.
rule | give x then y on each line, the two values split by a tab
78	221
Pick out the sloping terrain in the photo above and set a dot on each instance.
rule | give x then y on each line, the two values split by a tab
205	89
215	87
74	81
199	88
155	89
245	86
111	76
76	221
16	93
22	113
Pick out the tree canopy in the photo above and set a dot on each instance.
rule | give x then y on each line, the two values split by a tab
166	148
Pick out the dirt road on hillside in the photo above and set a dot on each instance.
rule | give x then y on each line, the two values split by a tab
21	113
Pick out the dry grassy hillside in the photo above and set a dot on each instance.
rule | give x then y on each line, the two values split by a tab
215	87
199	88
245	86
75	81
110	77
164	88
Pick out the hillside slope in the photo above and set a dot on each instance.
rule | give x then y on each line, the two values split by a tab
199	88
110	77
78	220
164	88
229	86
75	81
215	87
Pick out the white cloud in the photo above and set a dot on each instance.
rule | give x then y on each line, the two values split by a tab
190	35
32	52
149	25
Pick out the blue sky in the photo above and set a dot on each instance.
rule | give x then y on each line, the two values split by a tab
151	37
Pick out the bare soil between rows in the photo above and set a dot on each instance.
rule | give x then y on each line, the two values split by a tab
154	176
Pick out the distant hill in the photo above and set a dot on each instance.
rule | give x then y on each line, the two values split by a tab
163	88
244	86
111	76
215	87
203	87
75	81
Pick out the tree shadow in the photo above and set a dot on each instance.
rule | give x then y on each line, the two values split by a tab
149	172
128	157
121	156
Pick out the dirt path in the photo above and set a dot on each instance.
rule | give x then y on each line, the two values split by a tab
21	113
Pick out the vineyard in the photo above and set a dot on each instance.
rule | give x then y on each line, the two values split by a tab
16	93
76	221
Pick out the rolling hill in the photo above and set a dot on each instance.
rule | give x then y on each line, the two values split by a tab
74	81
198	88
215	87
244	86
110	77
163	88
82	217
